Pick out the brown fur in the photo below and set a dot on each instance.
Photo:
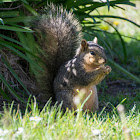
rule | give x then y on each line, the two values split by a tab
82	74
92	102
58	34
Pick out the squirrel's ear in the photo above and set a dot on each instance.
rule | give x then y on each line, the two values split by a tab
82	48
95	40
84	45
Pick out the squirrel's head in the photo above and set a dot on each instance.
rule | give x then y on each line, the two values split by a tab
92	53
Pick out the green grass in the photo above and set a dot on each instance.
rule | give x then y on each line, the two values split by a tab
53	125
129	98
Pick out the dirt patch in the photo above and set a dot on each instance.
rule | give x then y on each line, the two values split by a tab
122	86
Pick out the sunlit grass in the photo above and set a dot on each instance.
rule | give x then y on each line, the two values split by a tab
51	123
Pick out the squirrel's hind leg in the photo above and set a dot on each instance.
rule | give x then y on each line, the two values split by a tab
66	98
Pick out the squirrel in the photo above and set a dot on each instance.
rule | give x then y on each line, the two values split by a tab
70	63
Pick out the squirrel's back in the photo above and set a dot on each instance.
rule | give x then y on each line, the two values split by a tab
58	34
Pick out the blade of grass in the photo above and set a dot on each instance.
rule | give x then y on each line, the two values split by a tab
8	1
28	105
32	46
1	21
4	95
109	16
19	54
10	39
122	41
130	75
108	4
24	1
18	47
30	9
23	19
15	75
121	102
5	27
116	6
83	15
9	14
35	0
100	30
95	5
12	91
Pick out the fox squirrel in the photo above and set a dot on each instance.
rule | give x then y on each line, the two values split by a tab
70	63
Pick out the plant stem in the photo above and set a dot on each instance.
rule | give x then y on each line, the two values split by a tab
130	75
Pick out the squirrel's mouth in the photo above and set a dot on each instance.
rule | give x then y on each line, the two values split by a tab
98	66
95	66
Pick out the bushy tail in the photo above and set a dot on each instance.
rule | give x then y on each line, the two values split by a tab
58	34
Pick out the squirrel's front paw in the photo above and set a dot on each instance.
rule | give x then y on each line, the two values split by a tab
107	69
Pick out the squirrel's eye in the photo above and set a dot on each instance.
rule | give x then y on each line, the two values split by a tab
92	53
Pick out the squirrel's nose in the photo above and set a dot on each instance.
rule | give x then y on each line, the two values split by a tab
105	60
102	61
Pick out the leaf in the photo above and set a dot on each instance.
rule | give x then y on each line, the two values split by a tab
24	1
94	5
122	41
9	14
30	9
108	4
18	19
16	46
11	28
32	46
127	73
4	43
109	16
12	91
15	75
7	1
10	39
35	0
99	30
1	21
118	7
4	95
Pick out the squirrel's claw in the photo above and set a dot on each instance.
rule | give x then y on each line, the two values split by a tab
107	69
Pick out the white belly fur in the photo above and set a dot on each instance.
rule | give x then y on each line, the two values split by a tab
83	92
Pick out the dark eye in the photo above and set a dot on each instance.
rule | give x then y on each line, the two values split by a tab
92	52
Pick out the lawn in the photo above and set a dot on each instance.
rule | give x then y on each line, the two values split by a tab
51	124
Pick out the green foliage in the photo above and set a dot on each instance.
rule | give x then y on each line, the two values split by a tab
17	38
